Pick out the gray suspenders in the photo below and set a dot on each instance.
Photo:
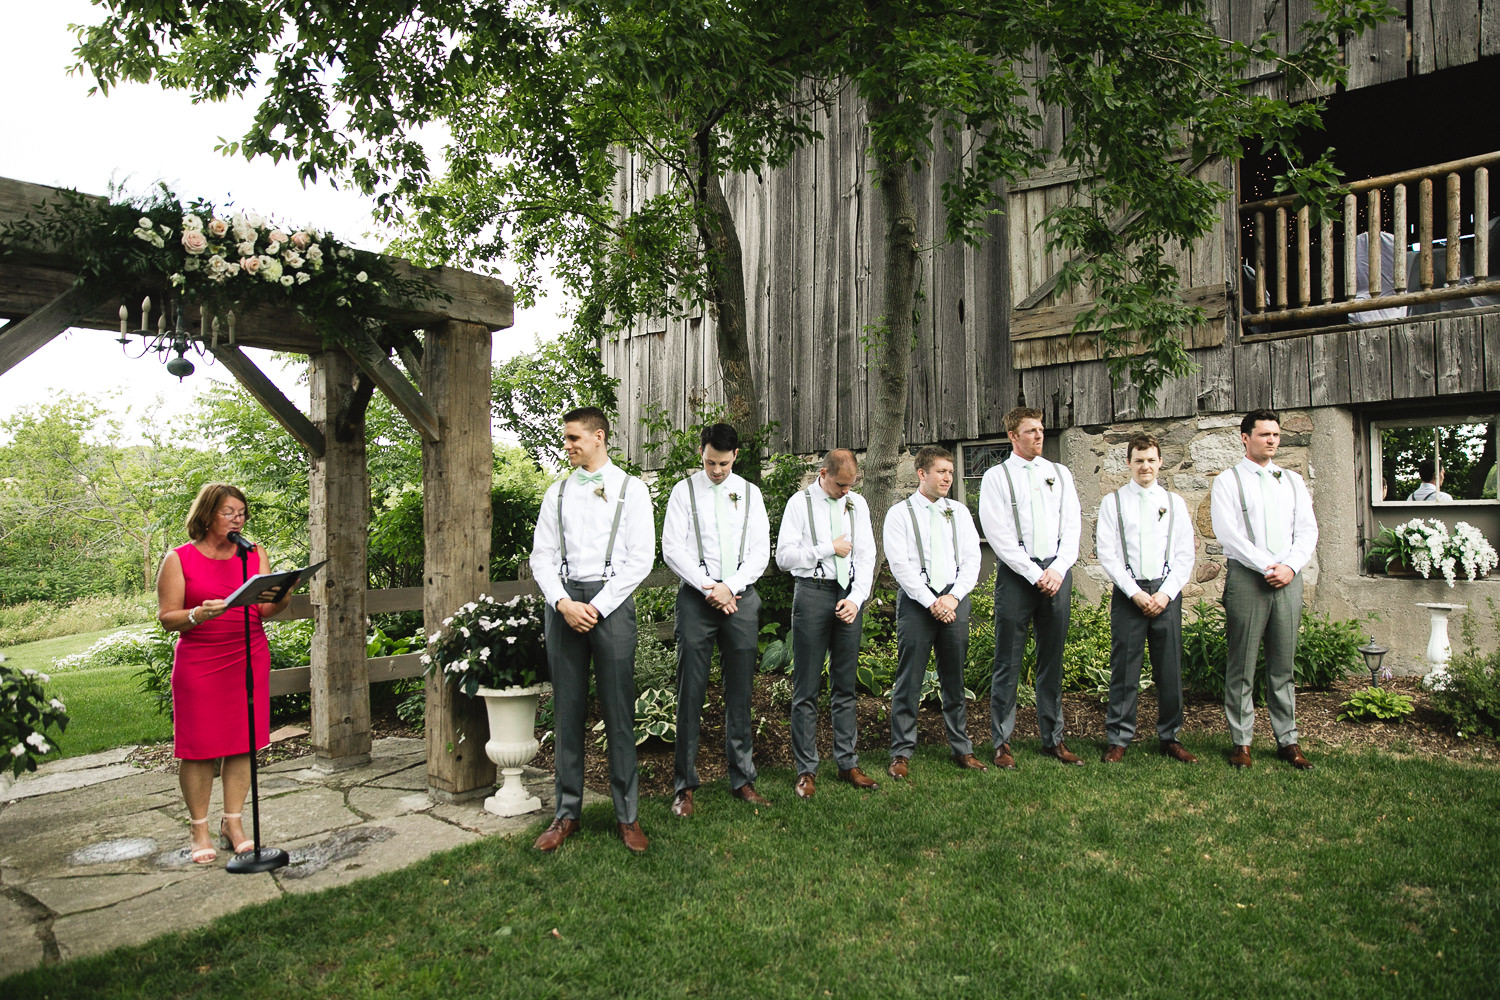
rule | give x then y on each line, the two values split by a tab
1166	564
698	531
1020	538
812	526
614	528
1245	512
916	534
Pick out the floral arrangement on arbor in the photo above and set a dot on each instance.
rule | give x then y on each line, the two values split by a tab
1425	546
492	644
25	715
215	258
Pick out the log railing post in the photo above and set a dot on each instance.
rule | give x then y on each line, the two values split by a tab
1374	245
1325	238
1259	304
1351	245
456	473
1304	255
1424	233
338	517
1481	223
1398	227
1281	258
1451	275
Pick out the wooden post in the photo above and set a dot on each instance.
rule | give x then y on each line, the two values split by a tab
1281	238
1455	231
1325	238
1304	257
1398	226
1374	246
1351	246
1259	305
456	472
1424	233
1481	224
339	525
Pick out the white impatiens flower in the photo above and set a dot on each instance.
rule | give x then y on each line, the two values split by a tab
59	706
40	742
19	750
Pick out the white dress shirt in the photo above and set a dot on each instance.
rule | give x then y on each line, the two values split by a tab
679	540
1165	510
901	550
1059	502
1297	526
586	520
800	553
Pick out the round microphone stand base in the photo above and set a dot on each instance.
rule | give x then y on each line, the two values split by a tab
262	859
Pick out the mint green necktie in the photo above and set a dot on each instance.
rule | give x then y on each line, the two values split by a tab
1271	511
836	528
727	565
939	538
1148	564
1039	532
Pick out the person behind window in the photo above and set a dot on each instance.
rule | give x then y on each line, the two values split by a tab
1432	482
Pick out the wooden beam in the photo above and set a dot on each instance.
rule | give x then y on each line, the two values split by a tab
338	526
372	360
456	473
268	395
21	339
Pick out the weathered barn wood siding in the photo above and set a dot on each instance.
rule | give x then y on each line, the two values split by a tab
812	235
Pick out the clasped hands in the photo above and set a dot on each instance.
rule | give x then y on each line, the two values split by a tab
1151	605
581	617
721	597
1050	582
944	609
1278	575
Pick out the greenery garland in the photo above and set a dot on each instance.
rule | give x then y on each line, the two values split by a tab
217	259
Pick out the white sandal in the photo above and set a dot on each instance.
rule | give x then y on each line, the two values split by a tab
202	855
240	848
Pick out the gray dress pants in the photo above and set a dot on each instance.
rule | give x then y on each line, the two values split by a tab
611	646
817	635
701	627
917	635
1257	612
1019	604
1130	633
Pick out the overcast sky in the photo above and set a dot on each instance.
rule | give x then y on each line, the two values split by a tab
56	134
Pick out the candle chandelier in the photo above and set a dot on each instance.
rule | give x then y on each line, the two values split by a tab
170	337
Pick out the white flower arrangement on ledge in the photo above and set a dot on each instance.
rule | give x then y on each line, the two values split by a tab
1426	546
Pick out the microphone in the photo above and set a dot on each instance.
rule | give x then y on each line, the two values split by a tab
244	544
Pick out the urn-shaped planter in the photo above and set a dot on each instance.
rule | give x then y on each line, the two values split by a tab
512	743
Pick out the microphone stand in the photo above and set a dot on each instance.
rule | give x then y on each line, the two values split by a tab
269	858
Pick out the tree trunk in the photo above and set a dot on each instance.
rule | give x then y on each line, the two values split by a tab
725	262
891	347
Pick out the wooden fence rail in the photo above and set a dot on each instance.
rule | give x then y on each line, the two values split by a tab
1283	245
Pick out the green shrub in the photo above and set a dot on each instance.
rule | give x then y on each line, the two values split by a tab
32	621
1327	651
655	715
26	713
1471	696
655	661
1376	703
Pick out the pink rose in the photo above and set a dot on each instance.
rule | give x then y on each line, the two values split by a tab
300	240
217	228
194	242
250	264
276	236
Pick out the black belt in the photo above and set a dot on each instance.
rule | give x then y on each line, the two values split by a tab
1151	586
1044	563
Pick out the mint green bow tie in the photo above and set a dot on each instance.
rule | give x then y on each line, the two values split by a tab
590	477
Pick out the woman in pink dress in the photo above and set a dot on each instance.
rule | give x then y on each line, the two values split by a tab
208	670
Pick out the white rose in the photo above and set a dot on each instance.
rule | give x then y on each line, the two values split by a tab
192	224
255	219
287	280
193	240
303	277
292	258
246	248
276	236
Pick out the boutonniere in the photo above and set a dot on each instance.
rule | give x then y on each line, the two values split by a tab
1050	482
599	492
948	513
734	498
1276	474
1161	512
848	505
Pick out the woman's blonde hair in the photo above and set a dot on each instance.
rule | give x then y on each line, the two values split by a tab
206	505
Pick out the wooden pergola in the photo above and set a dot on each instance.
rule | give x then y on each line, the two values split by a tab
450	408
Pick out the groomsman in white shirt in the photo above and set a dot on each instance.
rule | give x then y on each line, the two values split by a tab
933	551
826	543
595	542
1263	516
1145	544
717	539
1029	509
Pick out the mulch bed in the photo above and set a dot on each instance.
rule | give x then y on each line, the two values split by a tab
1425	733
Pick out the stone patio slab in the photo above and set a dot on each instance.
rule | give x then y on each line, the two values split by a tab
410	839
80	893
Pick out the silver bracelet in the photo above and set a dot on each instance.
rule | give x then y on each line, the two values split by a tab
192	616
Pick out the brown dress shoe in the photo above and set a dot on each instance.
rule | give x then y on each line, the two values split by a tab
858	779
1240	756
634	837
552	837
747	793
682	805
1292	754
1177	751
1062	753
1003	759
898	767
807	786
1114	754
969	762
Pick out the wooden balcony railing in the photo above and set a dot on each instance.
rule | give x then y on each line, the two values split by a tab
1283	246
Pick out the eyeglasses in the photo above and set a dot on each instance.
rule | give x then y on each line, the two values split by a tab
233	515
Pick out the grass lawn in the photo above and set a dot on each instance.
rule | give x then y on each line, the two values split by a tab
1372	876
105	705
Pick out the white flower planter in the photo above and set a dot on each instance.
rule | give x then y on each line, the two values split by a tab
512	743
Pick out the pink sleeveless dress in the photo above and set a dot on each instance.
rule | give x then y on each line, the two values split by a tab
208	670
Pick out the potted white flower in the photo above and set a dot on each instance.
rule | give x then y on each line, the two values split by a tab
496	650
